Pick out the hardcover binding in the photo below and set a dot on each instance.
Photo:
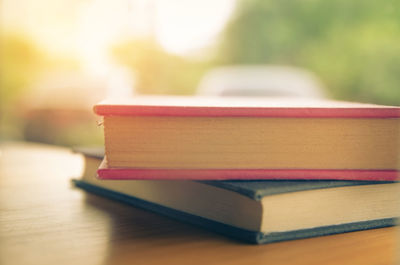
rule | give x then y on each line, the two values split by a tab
110	110
105	172
240	107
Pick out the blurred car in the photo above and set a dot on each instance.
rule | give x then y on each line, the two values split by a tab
260	80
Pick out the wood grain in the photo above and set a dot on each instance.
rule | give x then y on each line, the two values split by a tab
45	220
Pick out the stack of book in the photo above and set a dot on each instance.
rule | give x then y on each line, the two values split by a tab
262	170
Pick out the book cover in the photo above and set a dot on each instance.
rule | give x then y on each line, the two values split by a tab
242	107
105	172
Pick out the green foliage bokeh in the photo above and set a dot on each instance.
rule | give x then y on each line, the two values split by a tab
157	71
353	46
20	63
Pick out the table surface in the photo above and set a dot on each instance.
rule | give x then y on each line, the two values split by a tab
45	220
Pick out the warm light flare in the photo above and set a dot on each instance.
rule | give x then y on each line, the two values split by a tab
87	30
183	26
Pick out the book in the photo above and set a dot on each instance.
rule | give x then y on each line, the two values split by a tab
237	138
263	211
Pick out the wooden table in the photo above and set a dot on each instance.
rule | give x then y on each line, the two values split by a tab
45	220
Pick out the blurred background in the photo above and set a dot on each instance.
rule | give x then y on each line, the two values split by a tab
58	58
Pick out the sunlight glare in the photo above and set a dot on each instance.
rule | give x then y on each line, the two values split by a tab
184	26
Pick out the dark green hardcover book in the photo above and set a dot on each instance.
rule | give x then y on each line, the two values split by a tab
256	211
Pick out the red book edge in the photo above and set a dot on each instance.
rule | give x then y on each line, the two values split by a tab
110	110
105	172
331	109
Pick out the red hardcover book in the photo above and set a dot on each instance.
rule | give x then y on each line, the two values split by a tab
236	138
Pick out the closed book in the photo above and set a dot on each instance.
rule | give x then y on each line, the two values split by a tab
261	211
236	138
